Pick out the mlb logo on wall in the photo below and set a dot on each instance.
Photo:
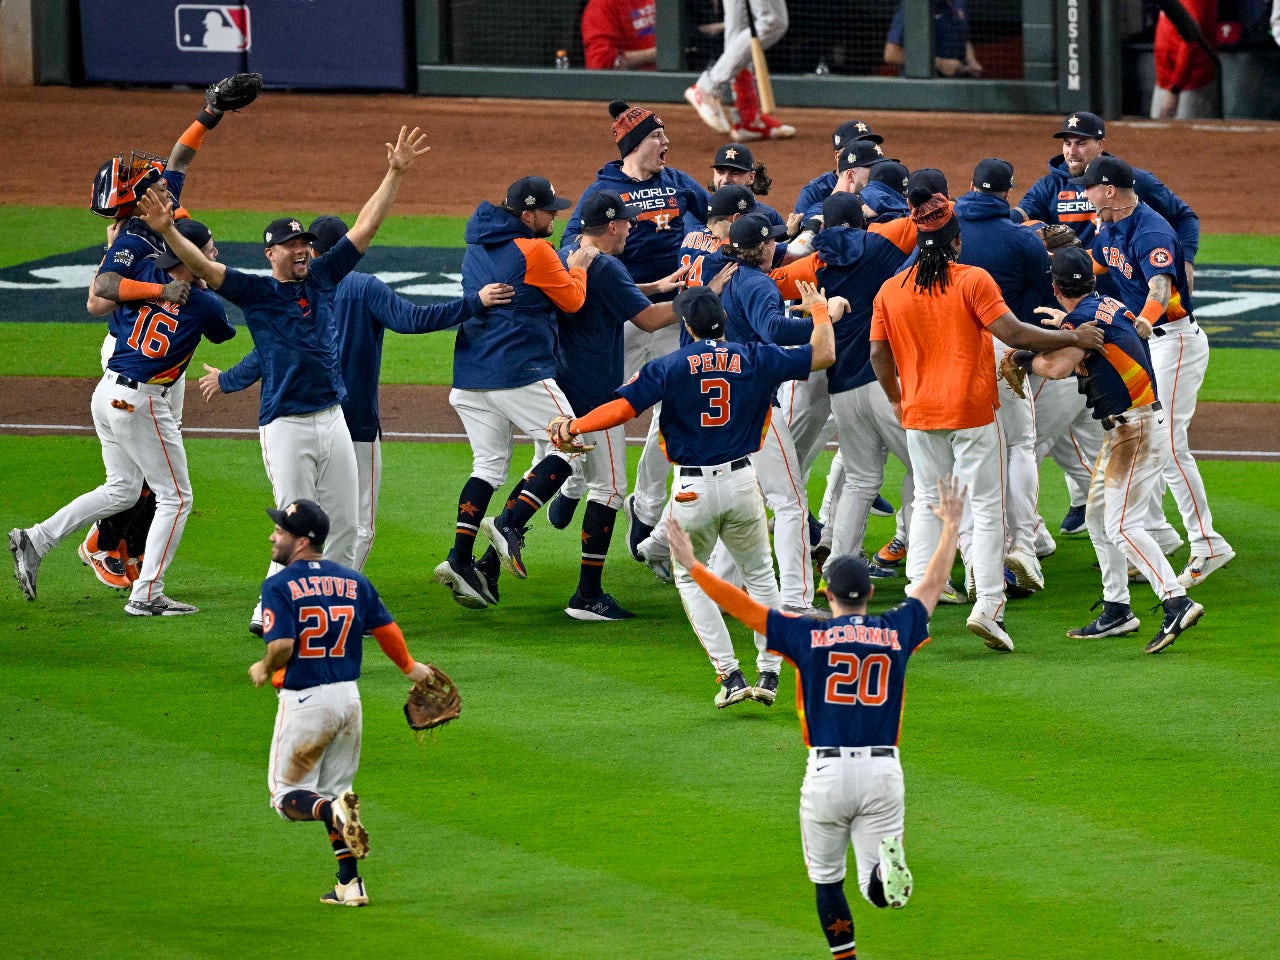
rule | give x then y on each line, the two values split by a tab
213	28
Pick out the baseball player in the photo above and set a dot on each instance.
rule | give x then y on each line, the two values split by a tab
850	683
306	447
1121	390
315	616
809	202
135	424
733	69
504	370
716	397
735	166
931	331
1146	262
364	308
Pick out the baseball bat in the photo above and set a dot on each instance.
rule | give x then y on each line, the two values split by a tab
764	84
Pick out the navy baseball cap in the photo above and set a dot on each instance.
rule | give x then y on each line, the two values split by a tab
730	200
1082	124
843	210
928	178
193	230
852	130
752	230
303	518
993	174
328	231
1105	169
700	309
734	156
1072	263
283	230
860	153
848	578
534	193
891	173
604	207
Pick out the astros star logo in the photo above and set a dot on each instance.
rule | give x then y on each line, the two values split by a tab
730	154
1073	121
879	152
295	225
584	536
840	925
861	127
468	508
291	509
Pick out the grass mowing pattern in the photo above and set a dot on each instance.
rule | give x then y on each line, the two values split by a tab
1071	799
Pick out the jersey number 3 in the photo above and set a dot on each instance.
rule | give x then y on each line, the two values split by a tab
316	623
716	390
855	680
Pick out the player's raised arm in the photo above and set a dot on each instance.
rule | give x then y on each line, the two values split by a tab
408	147
156	210
823	338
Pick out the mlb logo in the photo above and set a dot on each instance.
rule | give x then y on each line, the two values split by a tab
212	28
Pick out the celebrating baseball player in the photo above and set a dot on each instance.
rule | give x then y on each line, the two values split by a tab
850	681
315	615
734	165
716	397
1121	389
809	202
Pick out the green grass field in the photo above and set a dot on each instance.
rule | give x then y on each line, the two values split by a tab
1071	799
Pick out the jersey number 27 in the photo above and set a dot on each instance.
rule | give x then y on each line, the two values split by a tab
317	623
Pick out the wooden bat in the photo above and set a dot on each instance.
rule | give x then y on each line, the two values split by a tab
763	83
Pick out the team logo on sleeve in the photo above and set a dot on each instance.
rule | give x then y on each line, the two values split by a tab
268	619
1160	257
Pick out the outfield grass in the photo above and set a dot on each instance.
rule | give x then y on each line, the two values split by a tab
1071	799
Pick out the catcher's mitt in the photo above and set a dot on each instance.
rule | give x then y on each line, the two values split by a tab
1056	236
234	93
1014	375
563	440
433	703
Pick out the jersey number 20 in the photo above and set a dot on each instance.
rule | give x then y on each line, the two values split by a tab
315	623
855	680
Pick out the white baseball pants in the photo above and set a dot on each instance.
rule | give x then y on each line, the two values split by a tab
653	470
316	743
782	483
488	416
369	482
600	475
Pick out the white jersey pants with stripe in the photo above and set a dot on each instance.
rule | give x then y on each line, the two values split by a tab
725	505
975	456
771	23
1066	431
806	409
835	491
781	481
488	416
600	475
1022	477
653	469
369	480
326	719
140	439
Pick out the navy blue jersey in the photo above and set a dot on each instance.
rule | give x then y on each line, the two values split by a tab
815	191
887	202
590	355
673	203
1119	376
325	609
136	241
715	395
1137	248
1013	255
756	314
155	339
850	672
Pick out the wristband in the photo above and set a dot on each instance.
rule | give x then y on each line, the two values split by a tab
1024	358
137	290
207	119
1152	312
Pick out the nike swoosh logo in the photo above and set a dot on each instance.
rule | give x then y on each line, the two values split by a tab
686	486
306	698
821	768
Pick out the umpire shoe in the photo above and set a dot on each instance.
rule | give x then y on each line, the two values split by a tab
603	607
26	561
766	689
1180	613
346	815
637	529
463	582
161	606
733	689
1198	569
881	507
894	875
991	631
1073	522
1116	620
347	895
560	511
489	569
508	541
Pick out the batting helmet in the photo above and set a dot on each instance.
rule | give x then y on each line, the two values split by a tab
120	182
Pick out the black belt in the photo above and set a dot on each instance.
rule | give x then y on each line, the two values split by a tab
1110	423
134	384
1160	331
697	471
831	753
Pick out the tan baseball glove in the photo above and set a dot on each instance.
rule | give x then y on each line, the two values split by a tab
1014	375
1056	236
432	703
563	440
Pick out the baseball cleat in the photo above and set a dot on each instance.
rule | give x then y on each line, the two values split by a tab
894	875
764	127
26	561
815	531
661	568
603	607
109	570
637	529
709	108
346	809
347	895
733	689
488	570
1180	613
881	507
891	554
949	595
463	582
820	554
1198	569
991	631
1026	570
508	541
1116	620
810	611
560	511
766	689
161	606
1073	522
877	572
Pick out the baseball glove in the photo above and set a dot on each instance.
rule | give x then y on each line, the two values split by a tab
1056	236
563	440
1014	375
234	93
432	703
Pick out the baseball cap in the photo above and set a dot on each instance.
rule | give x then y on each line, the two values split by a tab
1072	263
993	174
1082	124
848	578
193	230
843	210
328	231
852	130
752	230
860	153
700	308
731	199
1105	169
284	230
734	156
606	206
936	222
303	518
928	178
891	173
534	193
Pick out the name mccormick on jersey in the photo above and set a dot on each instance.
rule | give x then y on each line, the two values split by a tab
322	587
855	633
659	205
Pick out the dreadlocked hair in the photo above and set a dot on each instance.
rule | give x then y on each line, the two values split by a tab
933	268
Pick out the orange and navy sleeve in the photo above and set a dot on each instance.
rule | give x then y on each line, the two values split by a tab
733	600
391	640
806	268
607	415
901	233
543	269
